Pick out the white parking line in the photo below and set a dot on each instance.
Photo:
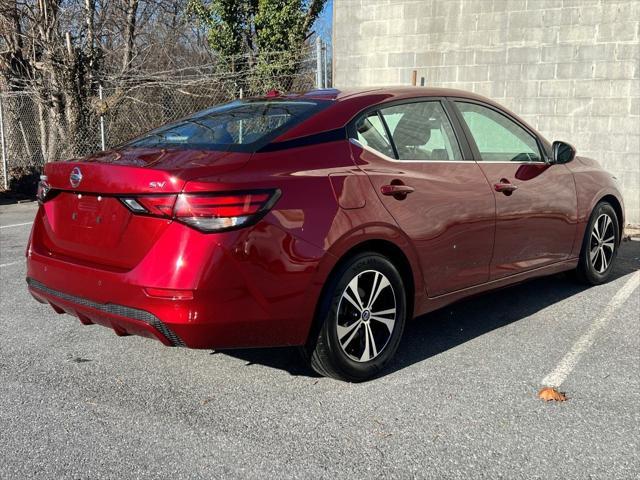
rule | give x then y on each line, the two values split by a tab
570	360
16	225
10	263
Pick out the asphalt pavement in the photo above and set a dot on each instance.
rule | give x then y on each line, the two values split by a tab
459	401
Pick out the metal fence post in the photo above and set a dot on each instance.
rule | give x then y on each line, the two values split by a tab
3	147
318	62
102	138
325	78
241	128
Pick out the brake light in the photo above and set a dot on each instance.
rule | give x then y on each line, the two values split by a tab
207	212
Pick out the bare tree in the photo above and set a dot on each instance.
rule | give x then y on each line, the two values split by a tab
46	60
130	31
59	50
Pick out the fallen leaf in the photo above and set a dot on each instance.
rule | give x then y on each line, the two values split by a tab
549	393
78	359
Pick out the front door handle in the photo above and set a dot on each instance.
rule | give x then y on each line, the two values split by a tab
505	186
396	190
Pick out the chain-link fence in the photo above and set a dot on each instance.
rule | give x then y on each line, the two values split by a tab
33	134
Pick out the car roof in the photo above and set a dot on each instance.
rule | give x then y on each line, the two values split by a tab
399	92
347	103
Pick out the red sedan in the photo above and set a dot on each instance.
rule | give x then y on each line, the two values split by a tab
324	220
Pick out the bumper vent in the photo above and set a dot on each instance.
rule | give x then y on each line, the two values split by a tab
120	310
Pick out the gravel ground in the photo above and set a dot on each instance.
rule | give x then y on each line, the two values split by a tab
458	402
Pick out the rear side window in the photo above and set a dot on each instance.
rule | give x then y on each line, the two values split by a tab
370	132
498	138
421	131
236	126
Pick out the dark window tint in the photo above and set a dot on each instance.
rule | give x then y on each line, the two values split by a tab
498	138
421	131
370	132
237	126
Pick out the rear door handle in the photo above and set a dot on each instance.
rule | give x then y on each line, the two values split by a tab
505	186
396	190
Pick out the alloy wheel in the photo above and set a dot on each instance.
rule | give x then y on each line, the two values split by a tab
602	243
366	316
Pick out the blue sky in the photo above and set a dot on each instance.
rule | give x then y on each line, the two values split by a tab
324	21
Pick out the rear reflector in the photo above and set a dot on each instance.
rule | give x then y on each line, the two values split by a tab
169	293
207	212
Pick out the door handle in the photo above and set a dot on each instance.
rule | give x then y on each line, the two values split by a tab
396	190
505	186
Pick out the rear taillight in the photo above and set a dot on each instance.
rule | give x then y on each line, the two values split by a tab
207	212
220	212
43	189
160	205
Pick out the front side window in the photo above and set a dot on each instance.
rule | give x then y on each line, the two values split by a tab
498	138
235	126
421	131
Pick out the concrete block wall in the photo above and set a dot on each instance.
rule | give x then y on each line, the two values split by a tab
571	68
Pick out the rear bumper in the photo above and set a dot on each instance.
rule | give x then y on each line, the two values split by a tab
254	288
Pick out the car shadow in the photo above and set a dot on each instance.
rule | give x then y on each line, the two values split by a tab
441	330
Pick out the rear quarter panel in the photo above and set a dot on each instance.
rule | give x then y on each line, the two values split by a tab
326	201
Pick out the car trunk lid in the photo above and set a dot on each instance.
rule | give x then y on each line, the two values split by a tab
140	170
84	219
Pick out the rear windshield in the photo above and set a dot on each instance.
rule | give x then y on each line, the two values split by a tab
242	125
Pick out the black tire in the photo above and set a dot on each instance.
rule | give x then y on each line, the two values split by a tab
591	269
360	331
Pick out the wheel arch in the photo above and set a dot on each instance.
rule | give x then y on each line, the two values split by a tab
384	247
395	254
617	206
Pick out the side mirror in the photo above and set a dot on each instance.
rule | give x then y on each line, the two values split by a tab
562	152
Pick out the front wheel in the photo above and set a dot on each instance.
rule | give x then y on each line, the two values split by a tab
600	245
363	312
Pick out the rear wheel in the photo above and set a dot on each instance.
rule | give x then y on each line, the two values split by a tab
599	246
363	313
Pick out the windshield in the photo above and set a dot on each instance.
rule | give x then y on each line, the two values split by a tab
242	125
